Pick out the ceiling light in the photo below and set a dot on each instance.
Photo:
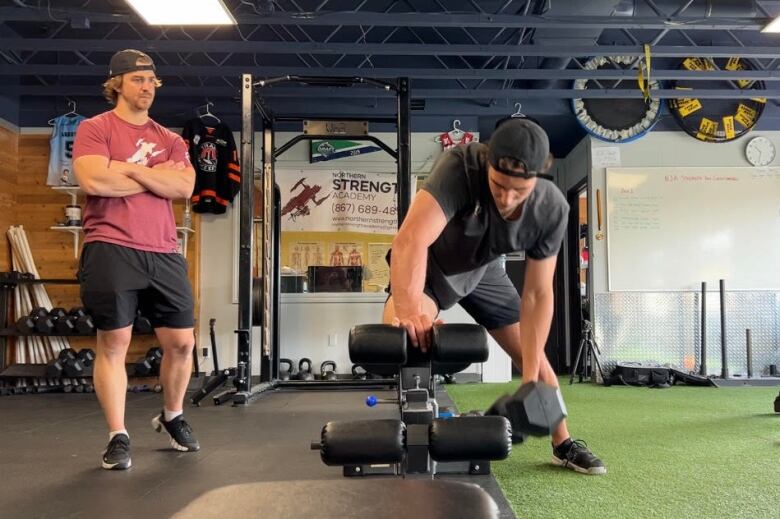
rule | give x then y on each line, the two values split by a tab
773	26
183	12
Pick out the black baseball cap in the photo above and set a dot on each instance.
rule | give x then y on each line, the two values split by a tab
127	60
520	140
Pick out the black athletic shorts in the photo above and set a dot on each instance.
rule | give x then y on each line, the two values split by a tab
116	281
494	302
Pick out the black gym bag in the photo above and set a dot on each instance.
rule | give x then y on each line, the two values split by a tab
647	374
640	374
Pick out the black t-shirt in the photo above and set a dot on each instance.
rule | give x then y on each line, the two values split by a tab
476	234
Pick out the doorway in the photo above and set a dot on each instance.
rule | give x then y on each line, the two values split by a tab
579	263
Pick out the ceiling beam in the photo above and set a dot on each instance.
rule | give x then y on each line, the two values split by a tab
383	49
367	18
235	71
428	93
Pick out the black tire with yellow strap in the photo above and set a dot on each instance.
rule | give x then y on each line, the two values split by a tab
717	120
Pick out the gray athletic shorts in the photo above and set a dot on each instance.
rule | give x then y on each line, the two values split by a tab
117	281
494	302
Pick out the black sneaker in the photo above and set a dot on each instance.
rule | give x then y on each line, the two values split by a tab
574	454
117	453
179	431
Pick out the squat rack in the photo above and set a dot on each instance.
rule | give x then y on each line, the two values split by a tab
269	293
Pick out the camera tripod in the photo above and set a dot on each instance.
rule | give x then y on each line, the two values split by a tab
592	352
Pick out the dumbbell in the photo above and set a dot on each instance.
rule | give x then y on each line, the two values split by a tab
86	356
285	373
535	409
48	325
82	323
328	374
27	324
63	324
304	370
142	325
150	364
67	364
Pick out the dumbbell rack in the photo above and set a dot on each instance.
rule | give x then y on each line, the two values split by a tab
34	373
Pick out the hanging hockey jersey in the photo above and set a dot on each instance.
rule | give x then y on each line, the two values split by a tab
61	150
215	159
447	143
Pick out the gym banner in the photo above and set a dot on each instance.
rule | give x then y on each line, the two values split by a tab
338	201
331	150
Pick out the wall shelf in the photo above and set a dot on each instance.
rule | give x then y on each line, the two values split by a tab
75	230
72	191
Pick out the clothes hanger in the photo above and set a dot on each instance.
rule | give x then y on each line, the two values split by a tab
72	112
518	113
208	113
456	134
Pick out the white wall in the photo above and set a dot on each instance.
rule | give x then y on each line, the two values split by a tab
317	326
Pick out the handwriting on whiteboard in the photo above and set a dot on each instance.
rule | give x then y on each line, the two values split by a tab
699	178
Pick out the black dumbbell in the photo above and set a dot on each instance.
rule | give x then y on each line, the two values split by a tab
27	324
150	364
142	325
285	369
86	356
65	365
48	325
82	323
304	370
535	409
63	324
328	370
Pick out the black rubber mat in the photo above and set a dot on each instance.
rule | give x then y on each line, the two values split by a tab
51	447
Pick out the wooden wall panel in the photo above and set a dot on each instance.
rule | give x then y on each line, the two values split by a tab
9	153
38	207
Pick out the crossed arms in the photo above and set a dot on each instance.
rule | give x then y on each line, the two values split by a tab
99	176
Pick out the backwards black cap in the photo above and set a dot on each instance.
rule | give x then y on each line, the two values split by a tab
521	141
129	60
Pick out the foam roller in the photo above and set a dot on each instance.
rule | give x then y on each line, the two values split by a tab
468	438
377	344
459	343
362	442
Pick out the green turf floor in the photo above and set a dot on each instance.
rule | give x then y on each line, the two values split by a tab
683	452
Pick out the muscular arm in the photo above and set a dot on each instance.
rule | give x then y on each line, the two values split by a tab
97	179
536	313
165	180
423	224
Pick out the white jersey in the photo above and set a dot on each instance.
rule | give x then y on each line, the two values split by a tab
61	153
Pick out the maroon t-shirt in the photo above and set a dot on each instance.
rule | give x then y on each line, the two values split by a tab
143	221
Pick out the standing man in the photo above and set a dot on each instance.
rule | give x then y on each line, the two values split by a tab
131	169
482	201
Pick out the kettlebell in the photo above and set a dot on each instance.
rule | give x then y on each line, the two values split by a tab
358	373
304	369
328	374
285	373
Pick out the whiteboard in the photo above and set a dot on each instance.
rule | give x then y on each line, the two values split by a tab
672	228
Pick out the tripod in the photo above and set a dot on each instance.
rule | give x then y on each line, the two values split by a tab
592	352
